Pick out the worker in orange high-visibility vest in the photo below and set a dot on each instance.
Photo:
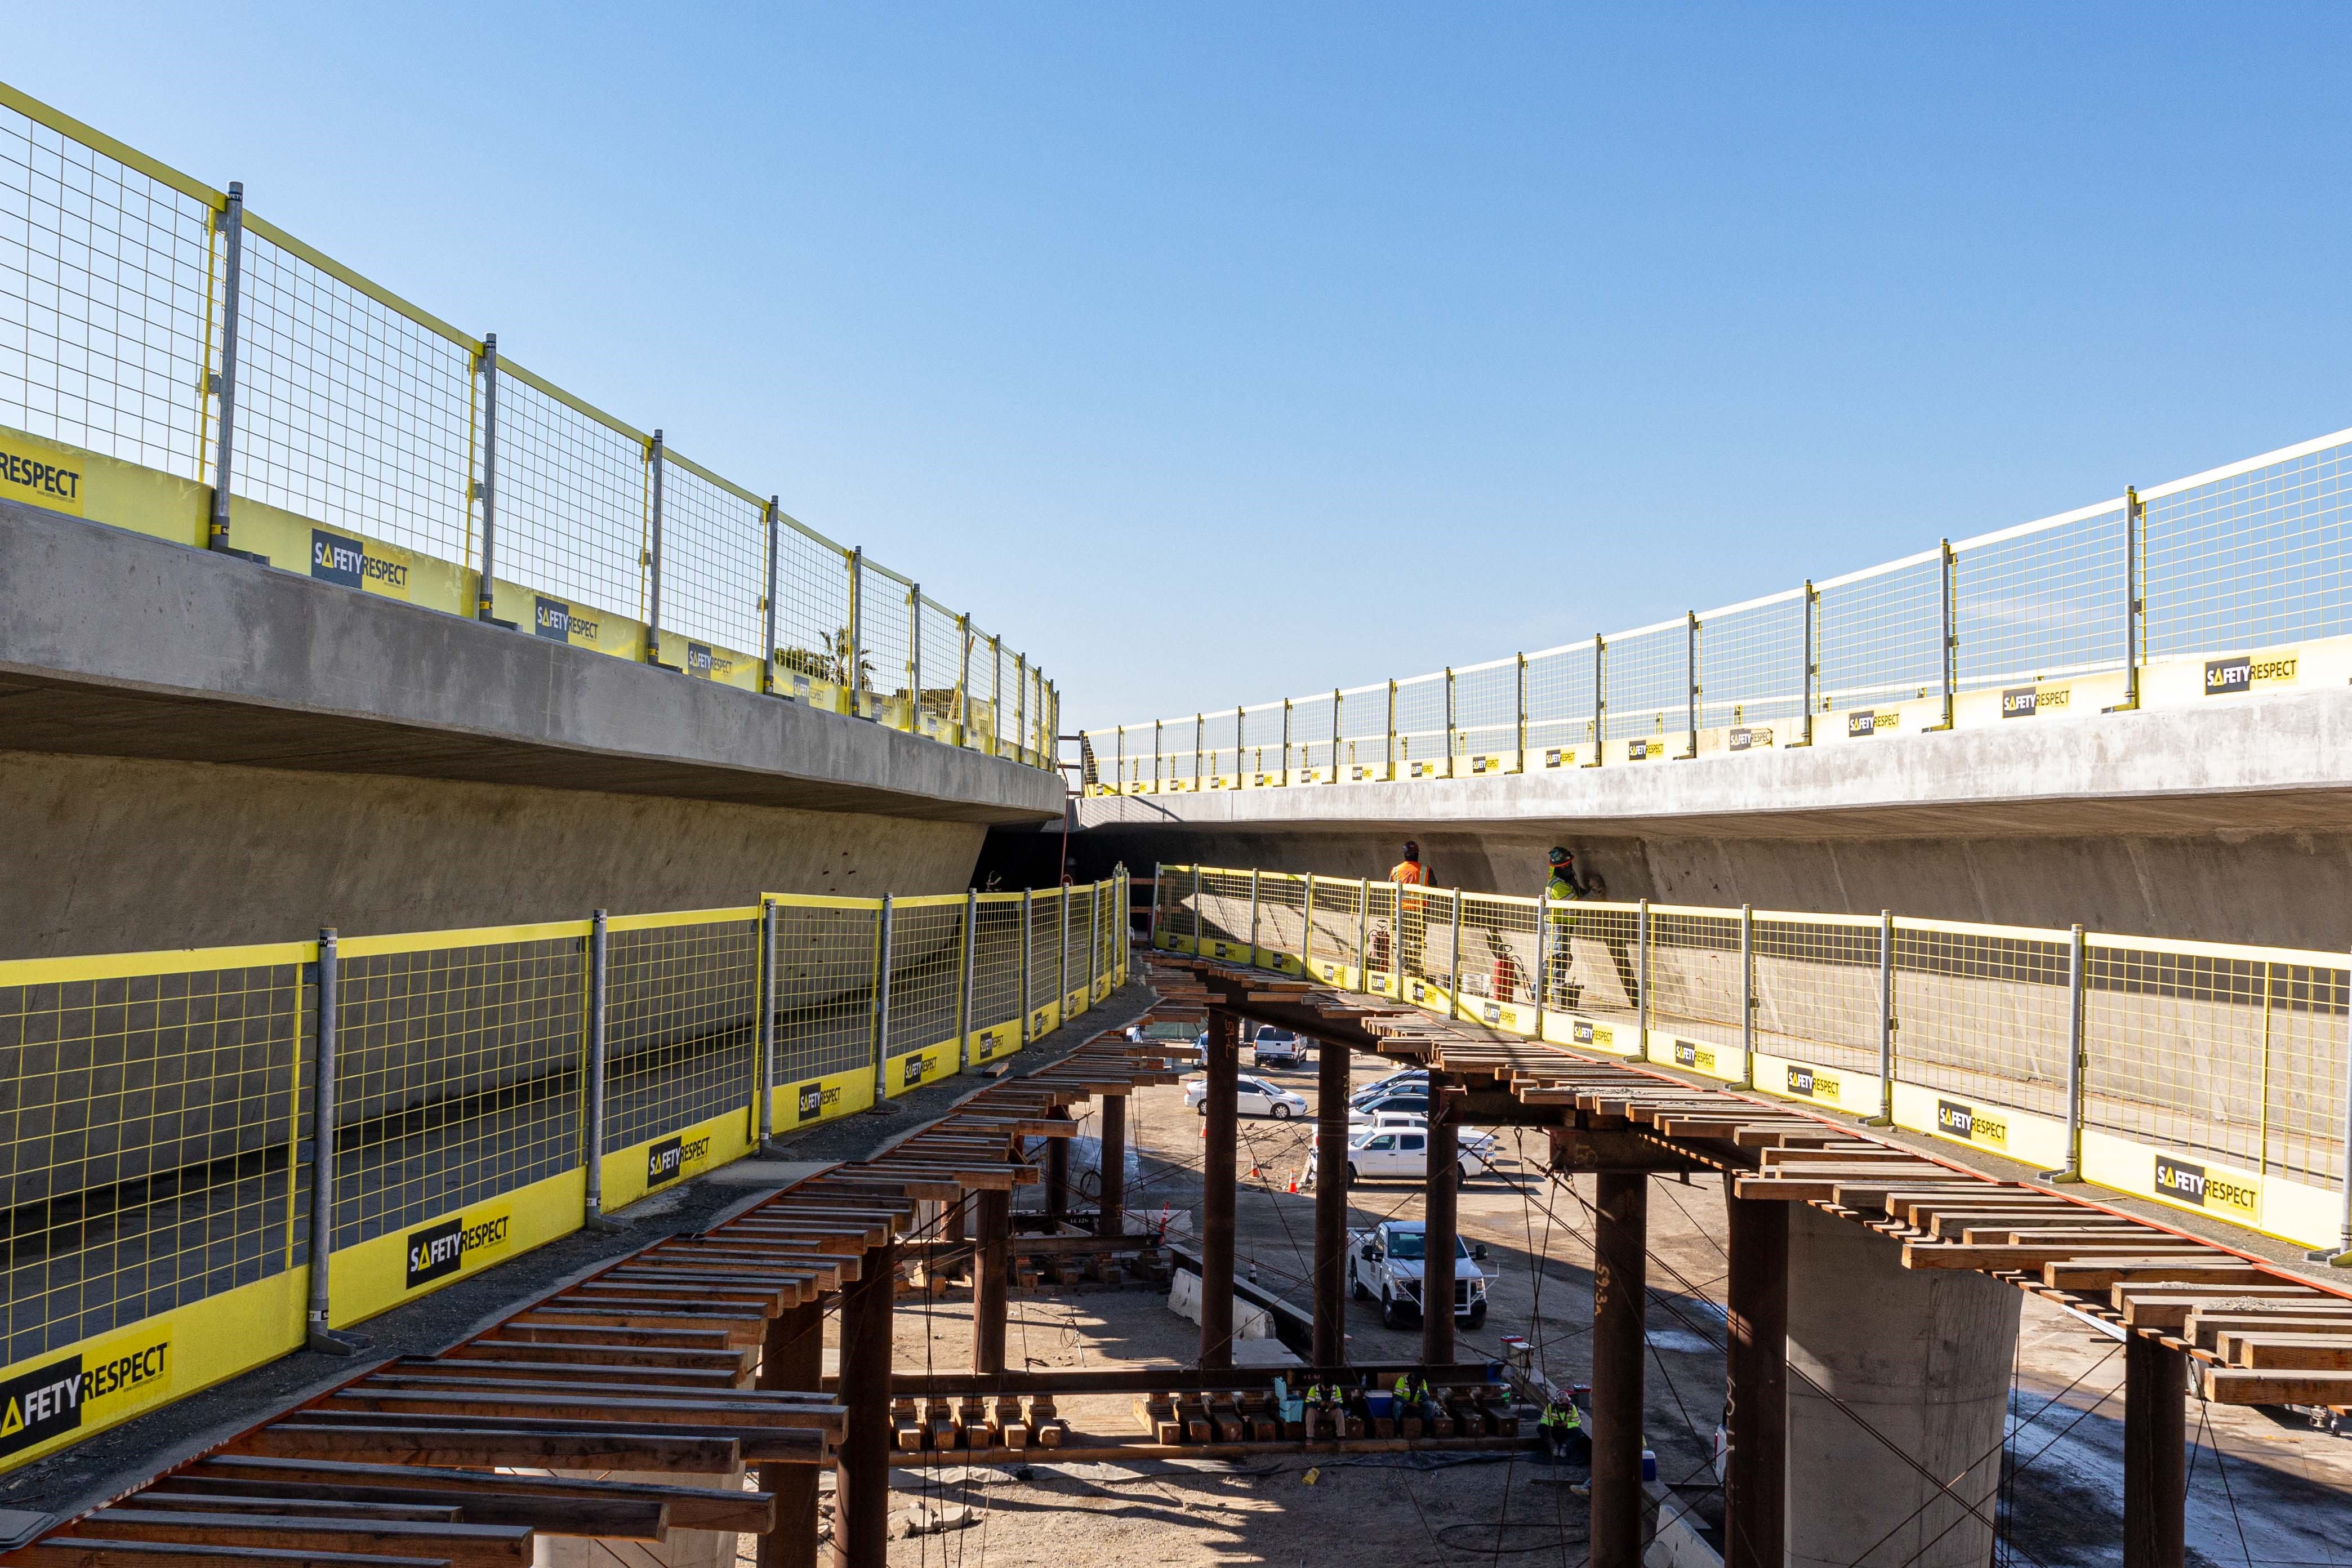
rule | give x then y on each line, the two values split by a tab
1409	872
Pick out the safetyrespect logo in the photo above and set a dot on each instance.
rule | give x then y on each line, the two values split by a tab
2189	1184
673	1157
91	1385
1969	1124
443	1247
351	564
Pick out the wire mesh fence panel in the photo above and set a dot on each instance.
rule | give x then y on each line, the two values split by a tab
1560	700
1310	734
886	637
350	411
105	279
1751	665
1881	635
1263	730
997	936
1172	903
2042	604
1601	976
457	1077
926	973
1648	673
714	567
1486	714
1282	914
681	1022
1499	949
2235	1057
1817	989
572	507
1333	923
1695	980
1044	936
1421	738
828	953
2250	559
1383	932
1364	730
1078	904
1982	1013
812	607
940	702
148	1139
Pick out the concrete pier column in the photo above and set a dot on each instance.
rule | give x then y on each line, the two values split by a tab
1330	1347
992	1265
1440	1189
1755	1481
861	1473
1218	1152
792	1356
1922	1355
1620	1237
1112	1220
1057	1172
2156	1446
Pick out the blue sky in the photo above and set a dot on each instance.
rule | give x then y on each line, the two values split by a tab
1223	354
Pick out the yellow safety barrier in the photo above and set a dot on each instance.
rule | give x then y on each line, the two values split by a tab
2209	1076
492	1089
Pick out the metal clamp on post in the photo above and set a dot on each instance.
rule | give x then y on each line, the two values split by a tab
316	1335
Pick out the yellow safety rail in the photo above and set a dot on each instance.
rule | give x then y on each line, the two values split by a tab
2205	1075
492	1089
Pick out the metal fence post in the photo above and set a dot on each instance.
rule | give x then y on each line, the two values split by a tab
1158	877
1812	665
1747	995
1519	726
1062	962
1363	933
592	1130
764	1074
1642	975
1196	912
2077	1044
484	594
1335	735
1253	942
1155	725
1454	978
2342	1257
1543	956
995	696
768	602
914	659
1390	772
856	673
1094	937
1199	745
1951	637
2134	602
1690	663
1600	700
882	1004
1241	771
1450	733
1886	1117
1028	966
318	1336
1307	932
963	682
964	991
654	556
1285	740
230	221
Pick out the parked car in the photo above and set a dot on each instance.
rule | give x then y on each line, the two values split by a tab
1384	1265
1416	1080
1253	1096
1365	1107
1277	1048
1397	1148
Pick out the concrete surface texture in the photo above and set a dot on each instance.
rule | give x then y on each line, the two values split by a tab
115	643
1924	1358
119	855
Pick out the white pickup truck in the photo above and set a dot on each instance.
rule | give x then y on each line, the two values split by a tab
1384	1266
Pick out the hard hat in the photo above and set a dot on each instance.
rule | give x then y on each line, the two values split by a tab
1411	850
1559	857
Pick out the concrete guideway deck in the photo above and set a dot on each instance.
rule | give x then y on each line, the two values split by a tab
1829	1228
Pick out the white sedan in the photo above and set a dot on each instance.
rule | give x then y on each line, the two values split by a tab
1253	1096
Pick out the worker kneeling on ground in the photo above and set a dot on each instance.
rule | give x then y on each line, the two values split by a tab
1561	1427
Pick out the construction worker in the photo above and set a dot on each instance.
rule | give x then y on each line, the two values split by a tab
1410	873
1412	1397
1321	1411
1563	890
1562	1426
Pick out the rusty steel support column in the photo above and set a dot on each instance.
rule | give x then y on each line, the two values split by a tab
992	1263
1057	1172
1441	1192
2156	1446
861	1472
1755	1481
793	1357
1218	1154
1619	1291
1331	1345
1111	1220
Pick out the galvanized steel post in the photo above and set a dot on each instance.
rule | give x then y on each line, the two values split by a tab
1886	1117
2134	605
1951	636
1253	936
230	220
763	1080
1306	930
964	991
2077	1044
1543	956
767	603
882	1004
1449	722
1390	772
1241	770
1690	667
1199	745
484	592
1746	997
1519	729
2343	1258
1335	735
1286	740
1642	972
1062	968
1363	933
914	659
1454	976
1812	665
1155	766
653	554
1159	876
963	684
1028	967
323	1153
1196	912
1094	936
1600	700
856	674
593	1131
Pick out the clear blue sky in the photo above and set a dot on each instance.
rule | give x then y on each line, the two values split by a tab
1218	355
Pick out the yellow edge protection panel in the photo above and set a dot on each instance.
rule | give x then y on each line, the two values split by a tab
175	960
1969	927
1618	1039
820	902
1217	947
1000	898
2038	1141
42	473
1837	1089
681	918
569	622
1104	984
2309	957
655	1163
815	1100
1175	941
1344	975
1702	1056
478	936
710	661
379	1275
55	1399
577	405
1280	963
915	1069
1044	1020
1075	1002
996	1040
1798	918
932	901
671	455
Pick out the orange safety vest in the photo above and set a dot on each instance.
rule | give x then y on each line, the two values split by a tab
1412	873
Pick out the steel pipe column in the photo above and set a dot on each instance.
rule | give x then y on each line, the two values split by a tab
1111	1219
1218	1154
1057	1172
793	1357
1441	1189
861	1472
1756	1478
991	1262
2155	1444
1619	1293
1331	1345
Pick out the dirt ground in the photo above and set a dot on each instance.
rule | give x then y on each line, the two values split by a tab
2264	1493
